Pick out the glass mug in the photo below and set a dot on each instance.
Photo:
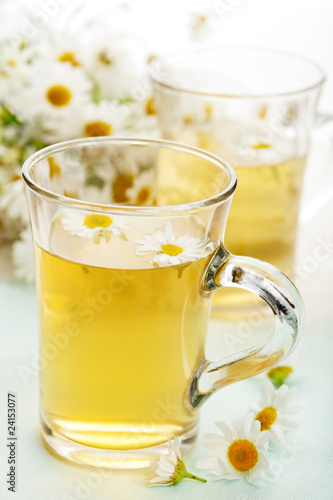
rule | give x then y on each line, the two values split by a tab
255	108
124	294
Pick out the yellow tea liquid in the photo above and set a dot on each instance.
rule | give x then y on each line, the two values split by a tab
118	346
262	222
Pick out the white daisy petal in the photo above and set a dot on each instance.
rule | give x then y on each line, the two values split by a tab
226	429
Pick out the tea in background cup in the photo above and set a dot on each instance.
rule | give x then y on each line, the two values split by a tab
255	108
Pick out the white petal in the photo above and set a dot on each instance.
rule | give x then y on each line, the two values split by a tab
227	430
215	440
161	258
253	475
169	233
238	426
289	422
277	435
160	480
207	463
177	447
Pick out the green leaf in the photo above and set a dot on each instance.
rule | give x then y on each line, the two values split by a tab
127	99
97	97
8	118
39	144
279	375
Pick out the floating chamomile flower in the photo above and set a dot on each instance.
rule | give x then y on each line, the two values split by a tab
168	249
93	225
274	411
171	469
241	452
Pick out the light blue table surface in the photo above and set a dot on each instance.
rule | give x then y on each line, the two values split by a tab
304	469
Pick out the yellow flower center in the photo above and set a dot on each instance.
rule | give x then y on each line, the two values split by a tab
143	196
58	95
54	169
104	58
243	455
11	62
208	110
263	111
120	186
171	250
188	119
150	106
97	129
267	417
96	220
262	145
69	57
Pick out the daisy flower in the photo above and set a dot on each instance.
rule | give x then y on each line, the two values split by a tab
96	120
54	90
142	192
274	412
241	452
14	63
95	226
64	49
171	469
116	66
168	249
23	257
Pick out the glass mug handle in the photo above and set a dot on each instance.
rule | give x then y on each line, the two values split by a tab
281	295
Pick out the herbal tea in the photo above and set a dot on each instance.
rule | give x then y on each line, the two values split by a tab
126	342
263	217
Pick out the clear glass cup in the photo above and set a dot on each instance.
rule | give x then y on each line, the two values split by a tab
256	108
128	252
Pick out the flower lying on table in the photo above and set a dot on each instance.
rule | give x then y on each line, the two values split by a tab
171	469
274	412
241	452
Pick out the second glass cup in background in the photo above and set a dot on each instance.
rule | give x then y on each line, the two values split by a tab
255	108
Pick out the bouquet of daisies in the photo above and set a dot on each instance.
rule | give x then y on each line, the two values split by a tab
60	90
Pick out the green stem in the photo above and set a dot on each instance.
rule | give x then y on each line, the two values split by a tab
192	476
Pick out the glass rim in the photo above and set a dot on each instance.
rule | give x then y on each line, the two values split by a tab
154	73
74	203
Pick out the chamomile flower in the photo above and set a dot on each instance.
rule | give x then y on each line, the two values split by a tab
241	452
96	120
14	63
54	90
171	469
274	412
64	49
142	192
115	68
168	249
94	225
